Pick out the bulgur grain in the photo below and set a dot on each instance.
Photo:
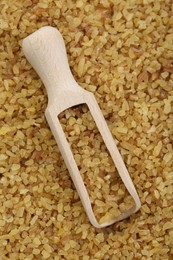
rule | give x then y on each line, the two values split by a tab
122	52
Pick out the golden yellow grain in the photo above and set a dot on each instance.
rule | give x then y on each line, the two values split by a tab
122	52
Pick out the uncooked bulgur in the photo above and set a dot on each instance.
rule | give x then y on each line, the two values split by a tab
122	51
108	195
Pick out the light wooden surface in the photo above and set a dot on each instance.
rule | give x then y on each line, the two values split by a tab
45	50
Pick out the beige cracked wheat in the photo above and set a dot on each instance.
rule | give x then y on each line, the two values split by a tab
122	51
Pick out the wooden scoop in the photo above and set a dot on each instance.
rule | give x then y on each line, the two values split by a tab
45	50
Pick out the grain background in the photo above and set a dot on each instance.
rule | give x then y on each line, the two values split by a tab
122	51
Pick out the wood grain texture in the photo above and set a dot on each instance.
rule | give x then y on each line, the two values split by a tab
45	50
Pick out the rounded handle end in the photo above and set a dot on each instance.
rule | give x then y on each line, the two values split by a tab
45	50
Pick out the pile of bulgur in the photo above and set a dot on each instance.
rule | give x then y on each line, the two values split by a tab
122	51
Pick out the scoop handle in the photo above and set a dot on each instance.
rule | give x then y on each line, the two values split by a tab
45	50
